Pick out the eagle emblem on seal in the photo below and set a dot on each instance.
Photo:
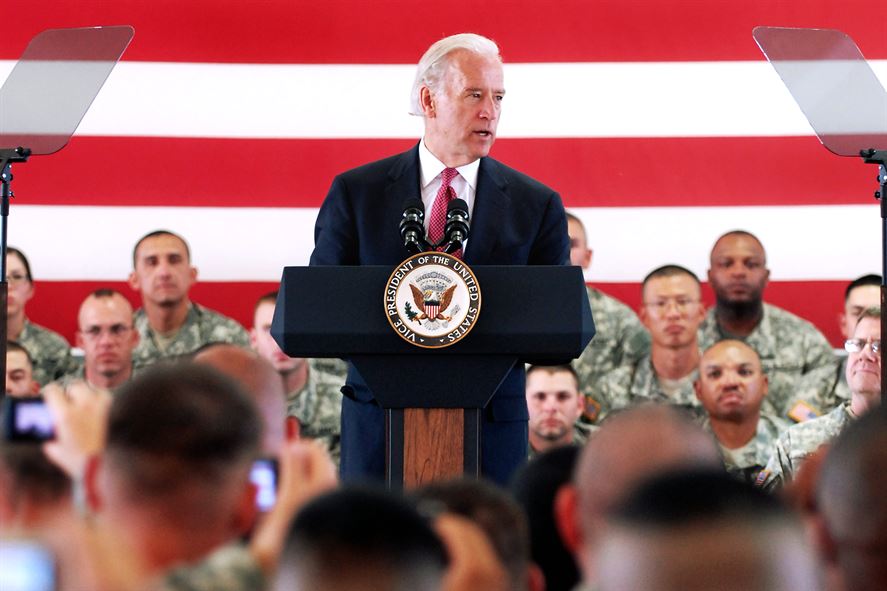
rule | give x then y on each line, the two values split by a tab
432	304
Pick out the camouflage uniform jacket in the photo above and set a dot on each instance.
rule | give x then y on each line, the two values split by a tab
639	384
788	346
318	405
49	351
819	394
799	442
747	461
620	339
202	326
230	568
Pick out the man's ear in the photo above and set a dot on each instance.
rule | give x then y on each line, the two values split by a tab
293	429
244	516
133	281
426	101
535	577
566	517
87	489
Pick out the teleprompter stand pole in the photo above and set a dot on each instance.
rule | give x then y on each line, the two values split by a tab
879	157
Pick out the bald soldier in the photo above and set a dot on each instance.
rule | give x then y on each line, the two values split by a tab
789	346
731	387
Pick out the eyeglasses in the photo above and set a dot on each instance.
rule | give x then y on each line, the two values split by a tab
115	331
662	305
857	345
16	278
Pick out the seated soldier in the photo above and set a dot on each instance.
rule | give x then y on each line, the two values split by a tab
170	325
312	386
50	352
731	386
619	338
20	380
555	405
789	346
864	378
672	311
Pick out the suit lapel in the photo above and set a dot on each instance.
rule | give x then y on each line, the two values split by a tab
490	202
403	182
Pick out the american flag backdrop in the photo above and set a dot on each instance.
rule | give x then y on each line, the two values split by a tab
659	122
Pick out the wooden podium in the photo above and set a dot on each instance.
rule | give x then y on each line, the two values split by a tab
433	397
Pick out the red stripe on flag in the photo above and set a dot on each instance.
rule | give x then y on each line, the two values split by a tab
587	172
349	31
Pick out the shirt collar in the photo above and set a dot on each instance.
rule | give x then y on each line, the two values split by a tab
431	168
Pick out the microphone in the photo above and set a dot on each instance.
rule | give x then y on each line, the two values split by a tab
456	229
412	226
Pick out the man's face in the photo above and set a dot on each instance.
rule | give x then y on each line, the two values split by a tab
672	310
265	345
554	403
731	384
461	117
21	289
864	367
580	254
163	274
860	298
738	272
19	375
106	334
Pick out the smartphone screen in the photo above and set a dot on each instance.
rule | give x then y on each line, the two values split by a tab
264	476
27	419
26	566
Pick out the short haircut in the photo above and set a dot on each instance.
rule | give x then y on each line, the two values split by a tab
11	250
669	271
432	66
269	298
17	346
361	534
30	476
870	279
553	369
155	234
105	292
870	312
180	424
491	509
739	233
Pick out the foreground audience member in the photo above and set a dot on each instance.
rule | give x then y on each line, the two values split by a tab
672	312
33	490
789	347
619	338
50	352
313	387
731	387
499	517
629	447
107	336
697	531
864	379
853	532
20	380
555	405
818	394
535	487
170	325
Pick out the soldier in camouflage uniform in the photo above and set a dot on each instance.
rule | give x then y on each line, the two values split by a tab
170	325
731	387
20	380
864	379
672	311
788	346
49	351
819	394
555	405
619	338
313	385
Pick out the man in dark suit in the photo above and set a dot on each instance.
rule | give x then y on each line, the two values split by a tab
515	220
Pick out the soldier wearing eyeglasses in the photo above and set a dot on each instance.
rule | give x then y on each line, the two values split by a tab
864	379
107	336
671	311
49	351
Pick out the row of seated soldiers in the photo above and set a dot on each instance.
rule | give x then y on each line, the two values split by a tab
651	358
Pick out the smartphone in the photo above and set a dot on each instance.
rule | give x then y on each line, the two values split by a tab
27	419
26	566
264	476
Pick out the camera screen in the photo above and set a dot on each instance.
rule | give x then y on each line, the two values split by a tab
27	419
27	566
264	476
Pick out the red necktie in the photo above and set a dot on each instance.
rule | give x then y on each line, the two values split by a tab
438	220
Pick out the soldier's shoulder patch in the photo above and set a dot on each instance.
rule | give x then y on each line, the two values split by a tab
802	411
592	409
762	478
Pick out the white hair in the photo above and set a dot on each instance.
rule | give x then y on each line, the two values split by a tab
433	64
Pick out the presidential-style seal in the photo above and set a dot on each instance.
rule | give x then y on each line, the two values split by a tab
432	300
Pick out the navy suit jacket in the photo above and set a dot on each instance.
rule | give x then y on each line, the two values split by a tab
516	221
